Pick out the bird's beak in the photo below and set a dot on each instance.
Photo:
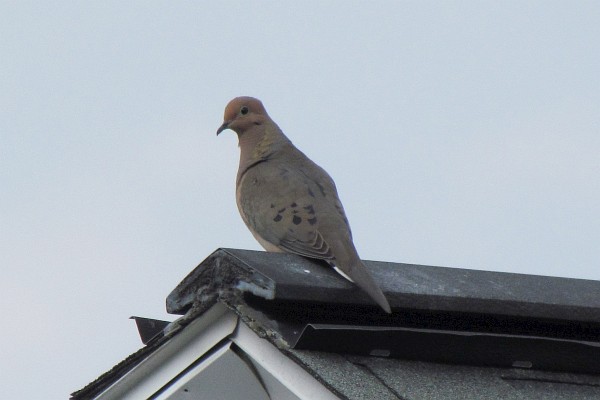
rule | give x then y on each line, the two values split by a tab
223	127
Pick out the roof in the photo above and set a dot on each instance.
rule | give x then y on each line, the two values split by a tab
453	333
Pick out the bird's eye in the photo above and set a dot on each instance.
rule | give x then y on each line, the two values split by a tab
244	110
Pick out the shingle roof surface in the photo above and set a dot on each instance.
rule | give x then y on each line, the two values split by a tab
366	378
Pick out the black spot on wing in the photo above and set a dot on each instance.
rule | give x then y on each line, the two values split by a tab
283	173
296	220
309	209
278	218
321	188
342	214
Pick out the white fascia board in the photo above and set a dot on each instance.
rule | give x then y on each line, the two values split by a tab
281	367
172	390
169	360
221	375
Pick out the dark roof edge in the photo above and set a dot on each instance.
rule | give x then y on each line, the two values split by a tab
293	279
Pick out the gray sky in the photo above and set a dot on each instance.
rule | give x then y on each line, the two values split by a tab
462	134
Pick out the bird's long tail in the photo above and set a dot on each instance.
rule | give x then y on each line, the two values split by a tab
359	274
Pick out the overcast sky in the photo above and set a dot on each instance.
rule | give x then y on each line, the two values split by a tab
462	134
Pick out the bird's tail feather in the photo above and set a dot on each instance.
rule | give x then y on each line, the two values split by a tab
359	274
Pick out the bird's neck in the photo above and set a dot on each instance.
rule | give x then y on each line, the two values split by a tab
259	144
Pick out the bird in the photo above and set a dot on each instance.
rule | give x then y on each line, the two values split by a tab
288	202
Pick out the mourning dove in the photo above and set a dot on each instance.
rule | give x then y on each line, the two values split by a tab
288	202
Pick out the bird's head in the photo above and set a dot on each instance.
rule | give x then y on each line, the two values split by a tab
242	114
